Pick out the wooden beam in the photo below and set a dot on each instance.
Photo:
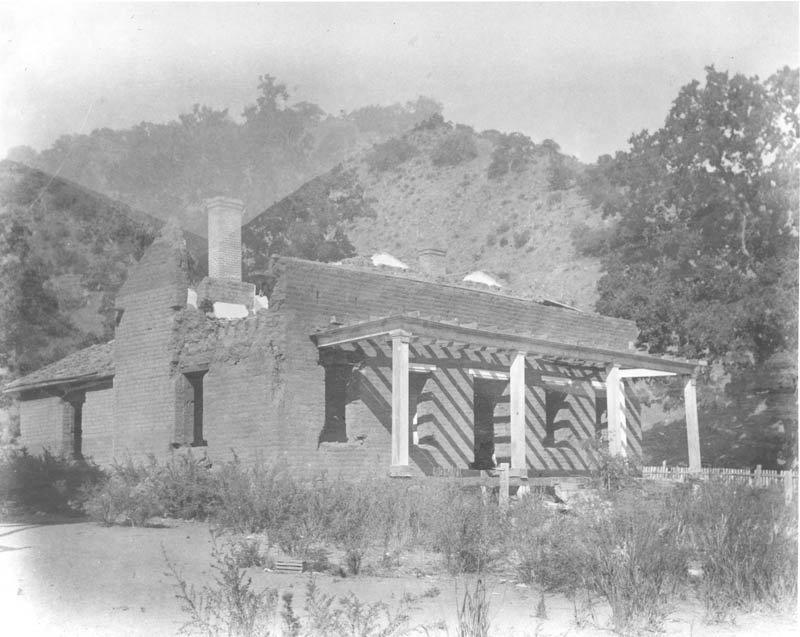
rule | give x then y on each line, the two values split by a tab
517	399
692	426
643	373
615	397
503	341
400	340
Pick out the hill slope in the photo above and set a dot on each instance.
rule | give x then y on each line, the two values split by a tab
446	186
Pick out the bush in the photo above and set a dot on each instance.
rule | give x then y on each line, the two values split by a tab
231	606
746	541
560	175
466	536
46	483
629	553
512	153
180	488
521	238
454	148
390	154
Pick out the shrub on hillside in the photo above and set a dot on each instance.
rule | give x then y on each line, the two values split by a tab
390	154
46	483
454	148
512	153
560	174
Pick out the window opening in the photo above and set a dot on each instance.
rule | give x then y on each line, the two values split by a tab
555	401
486	396
195	380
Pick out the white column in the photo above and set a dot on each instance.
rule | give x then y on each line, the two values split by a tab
400	340
692	427
617	429
517	398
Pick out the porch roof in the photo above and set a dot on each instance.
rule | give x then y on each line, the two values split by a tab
471	335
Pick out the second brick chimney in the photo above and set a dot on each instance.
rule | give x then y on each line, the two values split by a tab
432	262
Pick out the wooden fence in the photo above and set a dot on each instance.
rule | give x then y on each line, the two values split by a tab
756	477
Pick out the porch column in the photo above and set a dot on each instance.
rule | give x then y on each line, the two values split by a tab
692	428
617	429
517	398
400	340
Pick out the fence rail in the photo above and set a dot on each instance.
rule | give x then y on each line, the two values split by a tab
756	477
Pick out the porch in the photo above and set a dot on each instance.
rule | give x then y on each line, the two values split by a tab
409	332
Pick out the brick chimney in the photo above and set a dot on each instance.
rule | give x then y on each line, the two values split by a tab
224	286
225	238
432	262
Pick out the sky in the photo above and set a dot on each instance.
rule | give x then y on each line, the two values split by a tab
587	75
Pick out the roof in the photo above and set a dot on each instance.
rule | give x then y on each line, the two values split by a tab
317	291
91	363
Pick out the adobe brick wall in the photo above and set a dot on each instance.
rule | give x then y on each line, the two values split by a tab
98	425
244	390
42	420
144	356
144	385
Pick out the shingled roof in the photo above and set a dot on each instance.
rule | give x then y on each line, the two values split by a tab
93	362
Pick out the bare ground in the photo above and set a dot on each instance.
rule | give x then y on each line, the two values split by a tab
76	578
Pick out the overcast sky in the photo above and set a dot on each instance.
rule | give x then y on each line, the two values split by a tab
584	74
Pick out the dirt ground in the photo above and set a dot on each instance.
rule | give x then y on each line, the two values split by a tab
77	578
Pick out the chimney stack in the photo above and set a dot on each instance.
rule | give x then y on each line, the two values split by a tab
225	238
432	262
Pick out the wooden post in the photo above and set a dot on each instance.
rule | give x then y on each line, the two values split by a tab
615	398
788	486
517	399
503	495
692	428
759	476
400	340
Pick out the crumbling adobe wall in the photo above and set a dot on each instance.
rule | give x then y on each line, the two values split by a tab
244	387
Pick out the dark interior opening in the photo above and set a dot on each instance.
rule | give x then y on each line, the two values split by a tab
555	401
338	381
486	395
196	382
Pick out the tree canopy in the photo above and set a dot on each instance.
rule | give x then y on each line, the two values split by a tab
704	249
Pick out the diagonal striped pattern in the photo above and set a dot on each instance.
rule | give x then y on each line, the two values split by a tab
444	392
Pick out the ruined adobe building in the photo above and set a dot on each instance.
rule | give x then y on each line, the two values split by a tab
359	370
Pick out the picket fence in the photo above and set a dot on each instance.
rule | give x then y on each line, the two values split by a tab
757	477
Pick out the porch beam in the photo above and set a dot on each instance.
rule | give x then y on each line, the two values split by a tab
517	399
615	397
400	369
644	373
692	427
502	341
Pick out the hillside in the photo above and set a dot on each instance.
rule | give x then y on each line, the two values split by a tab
66	252
260	155
432	188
